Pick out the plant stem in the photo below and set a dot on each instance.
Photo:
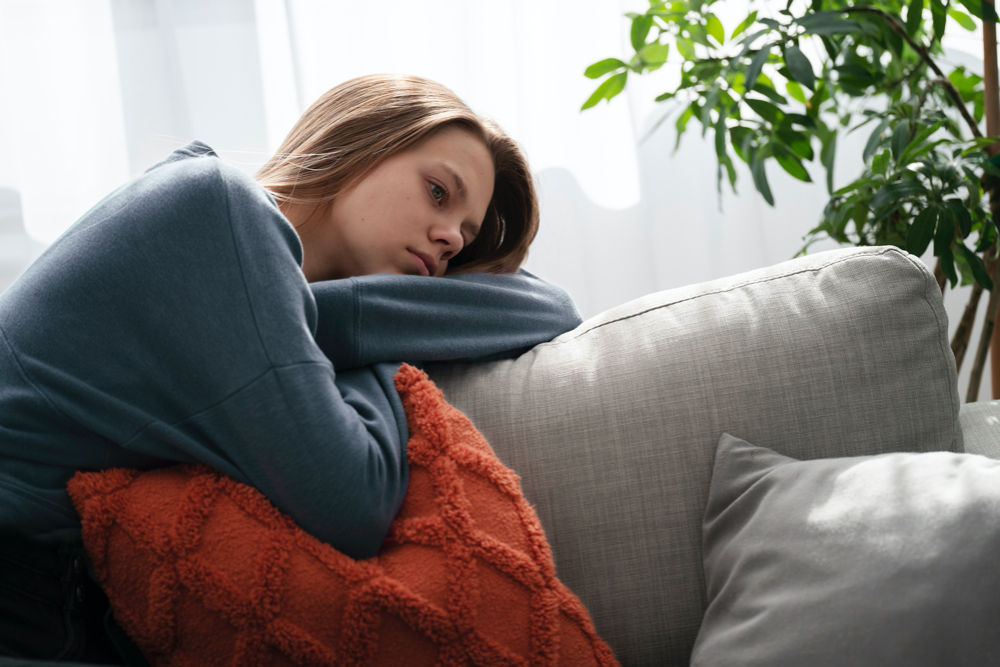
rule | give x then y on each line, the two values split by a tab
939	276
895	82
960	341
991	108
975	377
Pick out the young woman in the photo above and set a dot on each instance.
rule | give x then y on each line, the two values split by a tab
255	325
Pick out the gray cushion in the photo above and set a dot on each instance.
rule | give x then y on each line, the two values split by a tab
613	426
876	560
981	428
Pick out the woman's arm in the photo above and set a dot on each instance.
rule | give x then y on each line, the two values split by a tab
172	324
328	450
385	317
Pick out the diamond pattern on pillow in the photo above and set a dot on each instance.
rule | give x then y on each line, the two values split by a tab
201	569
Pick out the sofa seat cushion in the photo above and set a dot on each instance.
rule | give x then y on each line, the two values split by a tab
860	561
201	569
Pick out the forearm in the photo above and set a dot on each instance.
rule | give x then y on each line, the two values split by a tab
384	317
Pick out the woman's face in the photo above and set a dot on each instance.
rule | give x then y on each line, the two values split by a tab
410	215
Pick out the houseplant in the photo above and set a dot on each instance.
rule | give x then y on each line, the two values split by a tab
872	66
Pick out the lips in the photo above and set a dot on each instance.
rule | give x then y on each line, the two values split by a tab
426	263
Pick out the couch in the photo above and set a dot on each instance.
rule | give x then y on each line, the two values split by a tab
613	426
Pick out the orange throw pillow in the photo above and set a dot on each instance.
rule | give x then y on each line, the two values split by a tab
203	570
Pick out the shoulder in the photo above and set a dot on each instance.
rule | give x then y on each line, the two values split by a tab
195	178
196	171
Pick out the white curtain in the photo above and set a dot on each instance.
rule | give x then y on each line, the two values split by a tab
96	91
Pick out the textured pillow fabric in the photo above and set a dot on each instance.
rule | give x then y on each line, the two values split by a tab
200	569
872	560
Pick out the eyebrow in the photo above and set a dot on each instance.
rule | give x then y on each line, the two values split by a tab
463	192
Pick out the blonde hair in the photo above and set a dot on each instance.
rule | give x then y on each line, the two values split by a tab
356	125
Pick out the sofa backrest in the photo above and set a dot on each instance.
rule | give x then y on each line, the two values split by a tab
613	426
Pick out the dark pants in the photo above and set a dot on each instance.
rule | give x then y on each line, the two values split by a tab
50	607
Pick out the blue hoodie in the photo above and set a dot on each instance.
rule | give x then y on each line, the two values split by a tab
172	323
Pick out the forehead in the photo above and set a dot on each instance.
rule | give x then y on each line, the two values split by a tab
455	145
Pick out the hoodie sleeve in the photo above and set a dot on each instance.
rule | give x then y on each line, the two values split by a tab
476	316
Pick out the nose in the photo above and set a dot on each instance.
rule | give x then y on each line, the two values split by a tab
448	238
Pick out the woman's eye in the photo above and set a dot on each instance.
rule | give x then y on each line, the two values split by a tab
435	190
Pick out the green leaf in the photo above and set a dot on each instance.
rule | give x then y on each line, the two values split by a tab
800	67
640	30
914	17
948	264
893	40
921	231
894	192
831	47
682	122
713	26
769	92
900	138
855	70
654	55
747	22
720	136
981	10
800	119
602	67
961	215
826	156
711	100
915	143
980	142
854	185
756	64
795	90
828	25
975	7
608	89
666	14
790	163
730	170
873	140
938	17
797	142
945	231
738	135
697	33
760	176
962	19
977	266
765	110
880	163
685	47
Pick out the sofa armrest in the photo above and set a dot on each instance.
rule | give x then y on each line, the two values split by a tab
981	428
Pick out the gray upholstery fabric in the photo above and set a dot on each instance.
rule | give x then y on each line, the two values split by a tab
613	426
860	561
981	427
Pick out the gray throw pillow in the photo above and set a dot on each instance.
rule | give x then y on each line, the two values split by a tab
871	560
